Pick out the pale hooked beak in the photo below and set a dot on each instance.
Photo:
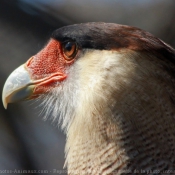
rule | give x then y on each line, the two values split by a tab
17	87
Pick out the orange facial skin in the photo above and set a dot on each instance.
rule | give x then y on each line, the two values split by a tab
48	67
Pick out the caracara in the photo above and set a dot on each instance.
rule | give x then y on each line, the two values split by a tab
112	89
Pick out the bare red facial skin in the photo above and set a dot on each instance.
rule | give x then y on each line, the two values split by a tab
49	66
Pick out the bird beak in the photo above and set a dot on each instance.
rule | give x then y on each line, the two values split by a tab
18	86
21	86
34	78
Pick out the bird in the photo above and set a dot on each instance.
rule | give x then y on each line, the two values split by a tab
111	88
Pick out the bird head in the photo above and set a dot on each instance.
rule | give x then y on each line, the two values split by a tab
86	61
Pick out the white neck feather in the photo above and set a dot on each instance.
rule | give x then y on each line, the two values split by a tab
109	105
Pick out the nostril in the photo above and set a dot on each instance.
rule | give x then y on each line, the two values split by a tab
29	61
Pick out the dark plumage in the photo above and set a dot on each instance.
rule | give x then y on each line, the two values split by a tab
109	36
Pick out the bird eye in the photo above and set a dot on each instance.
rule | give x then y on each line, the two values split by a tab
70	49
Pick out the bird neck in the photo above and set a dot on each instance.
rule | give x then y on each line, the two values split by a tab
123	124
98	145
92	147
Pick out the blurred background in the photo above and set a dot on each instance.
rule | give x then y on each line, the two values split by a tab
27	142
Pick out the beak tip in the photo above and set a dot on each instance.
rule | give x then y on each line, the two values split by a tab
4	100
5	105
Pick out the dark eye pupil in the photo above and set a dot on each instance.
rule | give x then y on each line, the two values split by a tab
68	46
70	49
